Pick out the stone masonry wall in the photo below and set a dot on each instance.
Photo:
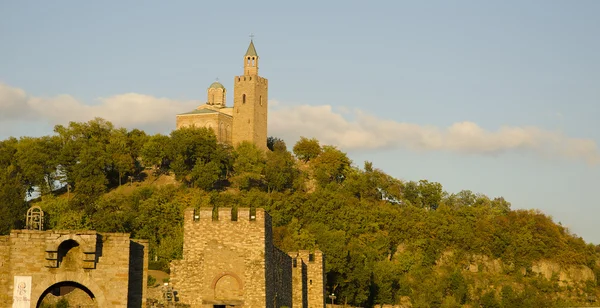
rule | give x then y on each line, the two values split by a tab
5	277
299	281
138	273
223	259
250	114
279	276
221	124
315	268
97	262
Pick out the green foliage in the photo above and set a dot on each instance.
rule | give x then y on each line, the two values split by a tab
280	170
61	303
331	166
151	281
274	143
248	167
307	149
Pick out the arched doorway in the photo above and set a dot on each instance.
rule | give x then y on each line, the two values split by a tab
73	293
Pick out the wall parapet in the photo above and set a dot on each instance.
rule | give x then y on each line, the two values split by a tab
224	214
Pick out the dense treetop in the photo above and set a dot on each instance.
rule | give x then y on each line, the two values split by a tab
383	237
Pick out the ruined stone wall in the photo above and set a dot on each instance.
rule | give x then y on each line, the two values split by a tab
299	282
279	276
5	277
97	262
315	274
223	259
138	273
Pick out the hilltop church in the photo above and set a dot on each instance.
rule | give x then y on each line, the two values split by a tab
247	120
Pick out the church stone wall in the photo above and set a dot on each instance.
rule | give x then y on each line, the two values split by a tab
100	263
220	123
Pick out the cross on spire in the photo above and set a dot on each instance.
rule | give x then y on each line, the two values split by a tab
217	79
251	36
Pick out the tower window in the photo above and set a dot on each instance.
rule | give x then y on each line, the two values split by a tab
261	100
243	98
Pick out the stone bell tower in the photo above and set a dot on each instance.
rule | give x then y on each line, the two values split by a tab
250	103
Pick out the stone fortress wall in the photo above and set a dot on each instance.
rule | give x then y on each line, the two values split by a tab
111	266
229	259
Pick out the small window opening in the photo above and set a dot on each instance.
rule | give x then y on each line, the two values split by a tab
252	214
234	214
215	214
311	257
243	98
295	262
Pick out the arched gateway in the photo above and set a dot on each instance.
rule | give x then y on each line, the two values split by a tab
108	269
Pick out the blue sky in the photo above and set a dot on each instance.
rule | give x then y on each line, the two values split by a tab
497	97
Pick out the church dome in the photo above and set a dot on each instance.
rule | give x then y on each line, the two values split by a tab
216	85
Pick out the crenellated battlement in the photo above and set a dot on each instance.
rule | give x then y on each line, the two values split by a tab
225	215
259	80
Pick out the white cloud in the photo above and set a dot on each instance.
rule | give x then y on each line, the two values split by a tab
13	103
347	128
365	131
129	110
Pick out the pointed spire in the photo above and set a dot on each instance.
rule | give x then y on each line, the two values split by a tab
251	50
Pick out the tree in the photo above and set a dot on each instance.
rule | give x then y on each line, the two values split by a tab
274	142
120	151
205	175
331	166
431	194
12	194
155	152
187	146
248	166
280	169
37	160
307	149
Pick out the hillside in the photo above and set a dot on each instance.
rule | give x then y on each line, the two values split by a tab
386	241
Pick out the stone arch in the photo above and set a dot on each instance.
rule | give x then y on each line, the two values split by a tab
64	284
69	255
78	279
223	274
227	286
